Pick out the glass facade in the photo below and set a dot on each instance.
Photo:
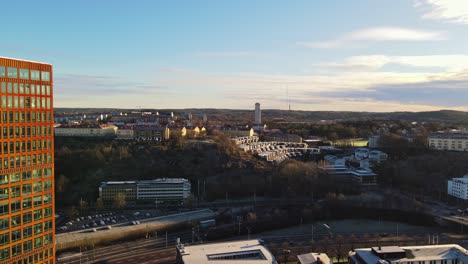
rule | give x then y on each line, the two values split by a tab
26	163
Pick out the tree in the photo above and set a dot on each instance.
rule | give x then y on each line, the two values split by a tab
119	201
99	204
61	183
71	212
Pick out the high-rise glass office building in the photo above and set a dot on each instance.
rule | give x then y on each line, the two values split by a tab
26	162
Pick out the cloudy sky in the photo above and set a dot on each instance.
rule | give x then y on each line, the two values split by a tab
357	55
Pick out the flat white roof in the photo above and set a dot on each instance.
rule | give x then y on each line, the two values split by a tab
311	258
25	60
417	253
199	254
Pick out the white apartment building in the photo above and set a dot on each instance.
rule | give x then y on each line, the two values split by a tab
432	254
458	187
449	141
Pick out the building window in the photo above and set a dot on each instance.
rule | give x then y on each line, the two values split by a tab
15	235
27	246
4	238
2	71
35	75
12	72
27	232
27	203
4	223
24	73
16	220
45	76
37	229
4	253
16	250
4	208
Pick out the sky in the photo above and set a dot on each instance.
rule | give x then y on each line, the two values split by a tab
357	55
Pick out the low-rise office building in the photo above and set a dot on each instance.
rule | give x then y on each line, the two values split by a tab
164	190
364	178
247	251
458	187
432	254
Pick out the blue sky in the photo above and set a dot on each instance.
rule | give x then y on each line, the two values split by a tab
398	55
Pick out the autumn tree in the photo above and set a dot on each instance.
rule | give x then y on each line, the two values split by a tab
119	201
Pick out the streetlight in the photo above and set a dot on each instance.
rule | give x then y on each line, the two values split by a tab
329	230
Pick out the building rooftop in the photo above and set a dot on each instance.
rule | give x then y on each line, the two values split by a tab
25	60
314	258
237	252
461	180
450	135
411	253
159	181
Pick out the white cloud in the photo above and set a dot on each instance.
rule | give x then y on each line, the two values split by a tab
449	63
452	11
378	34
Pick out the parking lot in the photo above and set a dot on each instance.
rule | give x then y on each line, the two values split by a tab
102	220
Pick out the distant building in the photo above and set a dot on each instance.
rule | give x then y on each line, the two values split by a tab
458	187
151	133
85	131
372	155
449	141
374	141
125	132
283	137
109	190
313	258
433	254
164	190
247	251
238	131
363	178
258	114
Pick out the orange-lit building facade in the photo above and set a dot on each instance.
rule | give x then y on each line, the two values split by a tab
26	162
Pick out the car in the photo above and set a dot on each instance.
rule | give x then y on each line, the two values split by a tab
113	221
93	230
108	227
383	234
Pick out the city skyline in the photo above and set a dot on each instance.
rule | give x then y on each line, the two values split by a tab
333	55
